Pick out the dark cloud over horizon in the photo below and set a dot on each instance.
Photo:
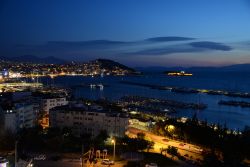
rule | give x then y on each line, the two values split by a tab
211	45
166	50
192	47
169	39
92	49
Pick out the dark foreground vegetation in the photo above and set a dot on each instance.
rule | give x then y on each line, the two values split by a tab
59	141
222	146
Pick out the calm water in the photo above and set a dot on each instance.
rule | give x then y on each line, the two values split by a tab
234	117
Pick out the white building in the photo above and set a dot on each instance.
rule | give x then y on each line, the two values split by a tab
22	115
51	102
82	121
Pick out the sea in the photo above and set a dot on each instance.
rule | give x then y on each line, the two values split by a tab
235	118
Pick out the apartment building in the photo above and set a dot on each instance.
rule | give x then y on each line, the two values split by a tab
21	115
83	120
48	103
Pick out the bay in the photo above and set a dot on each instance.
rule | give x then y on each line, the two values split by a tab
233	117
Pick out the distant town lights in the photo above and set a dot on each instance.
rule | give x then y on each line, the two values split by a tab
14	75
5	73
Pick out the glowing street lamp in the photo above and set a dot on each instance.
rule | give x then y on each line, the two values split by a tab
113	141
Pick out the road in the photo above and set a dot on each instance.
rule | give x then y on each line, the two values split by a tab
191	151
73	163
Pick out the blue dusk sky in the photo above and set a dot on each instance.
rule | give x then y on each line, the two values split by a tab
133	32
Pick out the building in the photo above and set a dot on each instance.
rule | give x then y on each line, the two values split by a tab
47	103
50	102
26	115
1	120
10	120
21	115
82	120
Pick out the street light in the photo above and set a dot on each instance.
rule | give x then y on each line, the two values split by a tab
82	155
113	141
16	159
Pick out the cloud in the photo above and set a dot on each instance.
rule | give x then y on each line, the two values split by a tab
211	45
247	43
169	39
95	45
166	51
110	43
82	50
192	47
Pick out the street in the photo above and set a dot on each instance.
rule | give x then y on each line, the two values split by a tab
188	150
57	163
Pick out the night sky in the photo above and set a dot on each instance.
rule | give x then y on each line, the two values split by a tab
133	32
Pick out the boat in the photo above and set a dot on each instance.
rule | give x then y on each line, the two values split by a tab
181	73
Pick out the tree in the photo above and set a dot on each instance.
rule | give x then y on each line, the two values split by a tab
246	142
232	158
54	143
135	144
161	131
141	135
7	140
232	151
31	139
101	138
211	160
172	151
170	130
150	145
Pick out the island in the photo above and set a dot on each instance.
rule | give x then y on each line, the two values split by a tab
176	73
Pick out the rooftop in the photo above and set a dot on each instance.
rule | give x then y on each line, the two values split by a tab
82	108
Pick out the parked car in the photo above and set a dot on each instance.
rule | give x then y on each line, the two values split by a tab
165	140
3	161
151	165
107	162
181	144
198	149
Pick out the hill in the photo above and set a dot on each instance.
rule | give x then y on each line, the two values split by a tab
111	65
